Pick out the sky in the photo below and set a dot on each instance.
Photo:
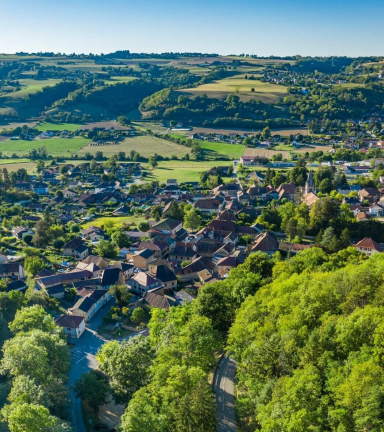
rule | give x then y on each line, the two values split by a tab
262	27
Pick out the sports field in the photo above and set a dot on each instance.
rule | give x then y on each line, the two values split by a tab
54	146
183	171
264	153
146	145
241	87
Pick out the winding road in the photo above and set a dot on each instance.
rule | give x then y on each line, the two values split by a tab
224	387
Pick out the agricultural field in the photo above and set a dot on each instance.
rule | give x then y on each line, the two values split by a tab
29	86
240	86
54	146
146	145
46	126
214	150
264	153
183	171
117	221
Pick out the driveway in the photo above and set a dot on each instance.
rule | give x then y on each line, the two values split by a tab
225	400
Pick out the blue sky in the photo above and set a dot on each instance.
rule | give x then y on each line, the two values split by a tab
278	27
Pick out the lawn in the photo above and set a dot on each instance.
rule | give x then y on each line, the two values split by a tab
47	126
146	145
29	86
214	150
183	171
241	87
117	221
54	146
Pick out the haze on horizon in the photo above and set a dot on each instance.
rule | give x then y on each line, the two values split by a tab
337	27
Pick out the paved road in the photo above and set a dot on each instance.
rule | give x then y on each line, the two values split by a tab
83	359
225	401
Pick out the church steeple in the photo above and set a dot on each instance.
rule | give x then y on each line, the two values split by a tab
309	184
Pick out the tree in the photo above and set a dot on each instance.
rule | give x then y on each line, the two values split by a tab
106	249
192	219
152	162
33	265
144	226
127	366
33	318
138	315
121	294
326	186
156	212
93	388
31	418
58	243
120	239
28	239
40	165
43	234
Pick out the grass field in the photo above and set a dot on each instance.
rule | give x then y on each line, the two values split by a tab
241	87
183	171
15	164
146	145
45	126
213	150
29	86
54	146
118	221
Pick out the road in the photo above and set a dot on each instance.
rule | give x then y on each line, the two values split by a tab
83	359
225	400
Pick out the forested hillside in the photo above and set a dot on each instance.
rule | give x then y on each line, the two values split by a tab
310	346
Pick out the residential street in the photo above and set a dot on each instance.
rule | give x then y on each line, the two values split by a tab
83	360
225	400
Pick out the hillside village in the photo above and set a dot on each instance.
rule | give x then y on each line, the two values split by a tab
186	235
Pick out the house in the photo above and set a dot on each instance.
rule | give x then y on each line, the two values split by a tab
142	282
190	272
369	194
76	248
368	246
163	272
227	189
151	300
17	285
12	270
99	261
123	252
93	233
143	258
167	226
107	185
265	242
40	188
310	199
23	186
20	232
172	191
91	300
180	252
292	248
112	276
208	205
376	210
73	325
69	193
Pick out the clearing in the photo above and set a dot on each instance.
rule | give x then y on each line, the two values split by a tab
15	164
146	145
54	146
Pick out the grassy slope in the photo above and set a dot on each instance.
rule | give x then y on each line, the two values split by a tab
242	87
215	150
29	86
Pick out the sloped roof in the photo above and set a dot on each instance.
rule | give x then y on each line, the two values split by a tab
369	243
